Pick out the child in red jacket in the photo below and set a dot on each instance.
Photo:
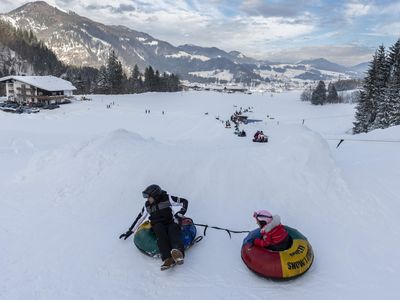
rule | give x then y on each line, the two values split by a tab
273	235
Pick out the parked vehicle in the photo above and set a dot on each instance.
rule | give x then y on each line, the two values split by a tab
65	101
30	110
51	106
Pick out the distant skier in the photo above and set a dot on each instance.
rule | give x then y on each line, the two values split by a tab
274	236
168	233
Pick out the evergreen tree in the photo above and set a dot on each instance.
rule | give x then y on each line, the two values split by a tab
381	103
174	83
348	84
366	109
319	94
306	94
149	79
362	115
135	73
393	87
135	82
332	94
115	74
157	82
153	81
103	86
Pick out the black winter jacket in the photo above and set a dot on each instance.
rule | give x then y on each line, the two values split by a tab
160	211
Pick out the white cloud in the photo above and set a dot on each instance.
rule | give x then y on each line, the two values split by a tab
357	9
391	29
254	35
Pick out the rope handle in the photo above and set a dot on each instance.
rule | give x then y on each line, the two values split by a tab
228	231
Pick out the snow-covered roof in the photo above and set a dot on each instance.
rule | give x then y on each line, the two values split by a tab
47	83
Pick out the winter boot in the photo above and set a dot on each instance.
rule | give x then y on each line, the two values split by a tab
168	263
177	256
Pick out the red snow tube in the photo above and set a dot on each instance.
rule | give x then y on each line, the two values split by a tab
286	264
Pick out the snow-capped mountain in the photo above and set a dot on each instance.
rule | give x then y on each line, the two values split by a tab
80	41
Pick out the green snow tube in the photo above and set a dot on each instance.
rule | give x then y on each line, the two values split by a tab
145	239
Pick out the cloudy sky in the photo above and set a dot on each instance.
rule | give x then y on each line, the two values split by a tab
346	32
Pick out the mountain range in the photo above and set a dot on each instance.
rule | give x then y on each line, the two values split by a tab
77	40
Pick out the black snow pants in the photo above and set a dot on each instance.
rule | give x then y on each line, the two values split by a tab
168	237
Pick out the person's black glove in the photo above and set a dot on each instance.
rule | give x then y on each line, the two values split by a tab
126	235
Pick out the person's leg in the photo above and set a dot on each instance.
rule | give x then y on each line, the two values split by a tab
177	252
174	233
161	232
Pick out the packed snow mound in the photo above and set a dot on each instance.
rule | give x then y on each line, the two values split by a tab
87	159
102	179
297	155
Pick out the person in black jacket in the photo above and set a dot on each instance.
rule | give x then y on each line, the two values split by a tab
167	231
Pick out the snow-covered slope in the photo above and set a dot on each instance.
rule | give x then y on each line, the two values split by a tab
71	182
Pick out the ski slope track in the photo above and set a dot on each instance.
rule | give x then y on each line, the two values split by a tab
71	182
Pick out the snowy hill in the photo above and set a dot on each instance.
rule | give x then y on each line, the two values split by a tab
361	68
71	182
324	64
77	40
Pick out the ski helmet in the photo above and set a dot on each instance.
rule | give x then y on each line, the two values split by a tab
153	190
263	215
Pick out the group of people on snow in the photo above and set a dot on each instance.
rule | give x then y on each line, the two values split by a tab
260	137
147	111
166	226
239	132
237	117
108	106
